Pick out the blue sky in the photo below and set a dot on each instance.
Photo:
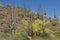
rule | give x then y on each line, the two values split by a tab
48	5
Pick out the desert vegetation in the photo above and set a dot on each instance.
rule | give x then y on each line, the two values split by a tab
17	23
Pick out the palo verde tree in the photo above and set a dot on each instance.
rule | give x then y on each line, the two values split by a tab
42	16
39	25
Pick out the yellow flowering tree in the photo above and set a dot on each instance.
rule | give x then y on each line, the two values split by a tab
38	25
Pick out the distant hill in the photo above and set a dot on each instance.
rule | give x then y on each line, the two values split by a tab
16	14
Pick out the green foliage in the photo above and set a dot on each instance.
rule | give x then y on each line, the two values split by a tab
30	15
58	34
47	30
24	22
22	37
36	25
6	30
58	21
44	35
45	22
50	32
5	35
19	30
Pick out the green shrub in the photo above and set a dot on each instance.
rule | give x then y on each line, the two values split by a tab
58	34
6	30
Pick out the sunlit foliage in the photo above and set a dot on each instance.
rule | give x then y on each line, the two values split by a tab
24	22
37	25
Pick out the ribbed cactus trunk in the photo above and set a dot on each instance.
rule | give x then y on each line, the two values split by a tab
55	18
43	26
13	19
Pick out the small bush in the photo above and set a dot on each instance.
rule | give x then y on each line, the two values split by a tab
6	30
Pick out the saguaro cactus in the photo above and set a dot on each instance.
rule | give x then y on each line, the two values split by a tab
55	18
12	22
40	13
